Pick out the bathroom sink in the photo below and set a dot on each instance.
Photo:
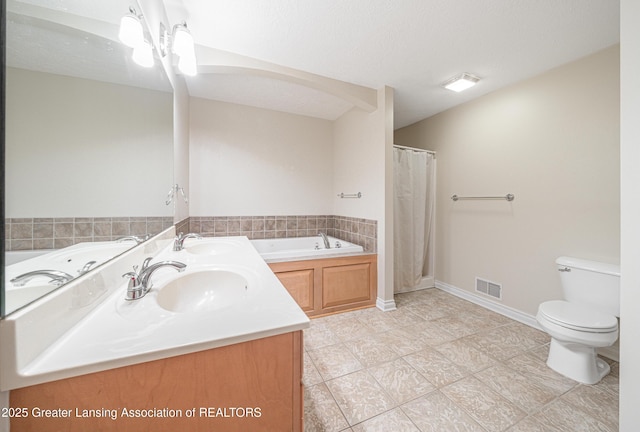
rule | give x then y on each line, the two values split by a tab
205	290
209	247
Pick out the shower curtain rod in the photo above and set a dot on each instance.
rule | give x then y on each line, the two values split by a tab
414	149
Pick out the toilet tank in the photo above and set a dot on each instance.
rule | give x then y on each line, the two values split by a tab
591	283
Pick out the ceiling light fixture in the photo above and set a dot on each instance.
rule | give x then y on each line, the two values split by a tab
461	82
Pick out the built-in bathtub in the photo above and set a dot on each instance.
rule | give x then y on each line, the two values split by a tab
322	281
303	248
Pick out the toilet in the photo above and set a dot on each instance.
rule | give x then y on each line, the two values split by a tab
584	320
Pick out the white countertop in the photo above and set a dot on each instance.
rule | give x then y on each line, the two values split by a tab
117	333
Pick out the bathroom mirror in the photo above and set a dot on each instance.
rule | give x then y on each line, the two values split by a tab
88	132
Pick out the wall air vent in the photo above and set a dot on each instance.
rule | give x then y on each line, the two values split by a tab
489	288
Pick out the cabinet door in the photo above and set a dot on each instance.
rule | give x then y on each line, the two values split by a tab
346	284
299	283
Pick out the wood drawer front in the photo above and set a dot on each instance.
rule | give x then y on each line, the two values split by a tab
346	284
299	283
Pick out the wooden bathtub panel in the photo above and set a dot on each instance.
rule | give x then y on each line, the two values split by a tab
339	284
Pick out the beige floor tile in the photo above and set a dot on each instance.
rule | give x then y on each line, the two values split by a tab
487	407
406	318
377	320
430	333
436	413
346	330
561	416
394	420
427	311
370	351
529	424
506	341
401	381
540	374
359	396
321	412
511	383
436	368
310	376
334	361
611	382
402	341
595	401
516	387
318	336
463	354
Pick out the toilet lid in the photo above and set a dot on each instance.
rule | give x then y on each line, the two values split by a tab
578	317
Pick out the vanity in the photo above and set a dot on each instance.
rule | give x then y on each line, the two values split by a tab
217	346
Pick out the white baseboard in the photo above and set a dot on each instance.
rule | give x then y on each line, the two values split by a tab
385	305
507	311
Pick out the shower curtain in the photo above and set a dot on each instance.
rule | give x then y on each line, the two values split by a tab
413	209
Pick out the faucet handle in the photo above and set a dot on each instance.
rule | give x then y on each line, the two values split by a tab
135	290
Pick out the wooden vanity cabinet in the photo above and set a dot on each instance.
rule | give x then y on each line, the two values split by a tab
249	386
325	286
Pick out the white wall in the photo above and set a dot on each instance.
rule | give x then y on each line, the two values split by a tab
68	155
630	225
248	161
553	141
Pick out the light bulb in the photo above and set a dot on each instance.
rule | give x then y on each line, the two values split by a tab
131	33
143	54
187	64
182	41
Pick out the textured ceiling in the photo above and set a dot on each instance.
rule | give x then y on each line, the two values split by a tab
410	45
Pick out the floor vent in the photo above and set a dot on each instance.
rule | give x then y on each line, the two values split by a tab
489	288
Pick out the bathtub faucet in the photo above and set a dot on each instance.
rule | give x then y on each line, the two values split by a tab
327	245
140	283
180	238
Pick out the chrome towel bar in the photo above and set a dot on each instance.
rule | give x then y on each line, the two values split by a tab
508	197
355	195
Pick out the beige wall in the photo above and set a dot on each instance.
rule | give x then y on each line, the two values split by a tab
362	163
552	141
247	161
83	148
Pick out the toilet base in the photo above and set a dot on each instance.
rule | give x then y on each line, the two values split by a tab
576	361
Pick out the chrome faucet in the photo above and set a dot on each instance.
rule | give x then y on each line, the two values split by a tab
180	238
140	283
86	267
327	245
133	238
57	277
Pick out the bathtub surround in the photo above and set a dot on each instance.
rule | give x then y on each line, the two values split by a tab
55	233
362	232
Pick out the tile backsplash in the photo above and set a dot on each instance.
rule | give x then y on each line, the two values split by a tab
359	231
56	233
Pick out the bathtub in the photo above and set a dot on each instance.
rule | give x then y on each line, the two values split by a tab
302	247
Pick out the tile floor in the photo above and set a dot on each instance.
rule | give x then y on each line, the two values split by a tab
440	363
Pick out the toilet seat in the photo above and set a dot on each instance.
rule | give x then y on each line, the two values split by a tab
577	317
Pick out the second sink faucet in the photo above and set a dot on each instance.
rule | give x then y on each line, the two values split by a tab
140	283
180	238
57	277
327	245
